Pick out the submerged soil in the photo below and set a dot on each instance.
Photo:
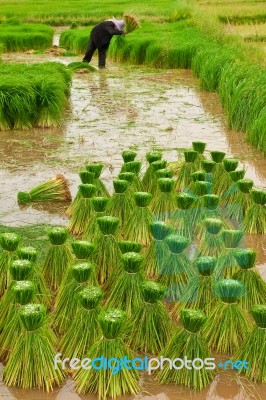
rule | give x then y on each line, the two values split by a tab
112	110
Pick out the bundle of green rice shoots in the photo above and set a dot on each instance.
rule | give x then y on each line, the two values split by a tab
254	348
212	243
164	204
151	157
227	265
242	201
158	251
77	342
9	243
129	155
227	326
131	22
200	189
108	254
200	148
81	216
187	169
230	165
255	287
210	209
230	195
218	170
134	167
56	189
188	342
121	204
28	253
183	217
137	227
57	258
177	269
152	327
208	167
83	250
66	302
127	246
255	218
100	206
126	292
104	382
199	293
86	177
36	334
96	169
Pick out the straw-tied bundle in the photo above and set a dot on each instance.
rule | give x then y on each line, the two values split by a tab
230	165
56	189
164	204
28	253
156	169
242	201
35	347
97	169
199	147
199	293
188	342
86	177
77	342
255	287
121	204
100	205
66	302
218	170
57	258
227	265
183	217
227	325
200	189
151	156
152	326
104	382
254	348
134	167
158	251
131	22
9	243
255	218
83	250
208	167
176	270
210	209
137	227
230	196
212	243
129	155
126	292
186	170
81	215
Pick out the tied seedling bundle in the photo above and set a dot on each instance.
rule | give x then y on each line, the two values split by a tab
104	382
66	302
137	227
57	258
164	204
56	189
131	22
242	201
199	293
86	177
254	348
218	171
227	325
152	326
200	189
188	342
208	167
97	169
126	292
210	209
77	342
107	255
134	167
199	147
83	250
158	251
121	204
212	243
28	253
153	182
183	218
255	218
151	157
255	287
177	270
35	347
100	205
230	165
129	177
9	244
81	216
227	265
129	155
187	169
230	196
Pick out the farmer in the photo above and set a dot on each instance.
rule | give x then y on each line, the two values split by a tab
100	39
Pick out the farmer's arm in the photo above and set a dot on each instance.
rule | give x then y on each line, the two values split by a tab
113	30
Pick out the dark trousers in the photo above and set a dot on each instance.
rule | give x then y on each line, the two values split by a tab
101	53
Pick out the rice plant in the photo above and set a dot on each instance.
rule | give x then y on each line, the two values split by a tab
121	204
100	206
86	177
227	265
255	218
183	217
242	201
227	325
187	169
163	205
97	169
188	342
9	243
212	243
152	326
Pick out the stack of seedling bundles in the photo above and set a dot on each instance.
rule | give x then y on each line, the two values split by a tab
255	217
86	177
121	204
134	167
227	265
99	204
188	167
163	205
9	244
183	217
97	169
212	243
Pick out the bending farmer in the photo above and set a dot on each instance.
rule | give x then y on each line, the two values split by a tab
100	39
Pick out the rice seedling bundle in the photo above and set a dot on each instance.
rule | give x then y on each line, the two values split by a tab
150	177
227	265
254	348
127	246
218	170
199	293
96	169
100	206
104	382
164	204
137	227
57	258
242	200
56	189
183	217
85	177
255	218
158	251
129	155
255	287
230	165
212	243
36	342
151	157
200	189
135	167
152	326
176	270
83	249
126	291
81	215
200	148
230	195
22	293
121	204
187	169
164	173
188	342
9	243
227	325
208	167
107	250
27	253
210	209
77	342
66	302
131	22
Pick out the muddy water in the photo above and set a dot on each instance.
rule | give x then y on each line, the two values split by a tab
113	110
